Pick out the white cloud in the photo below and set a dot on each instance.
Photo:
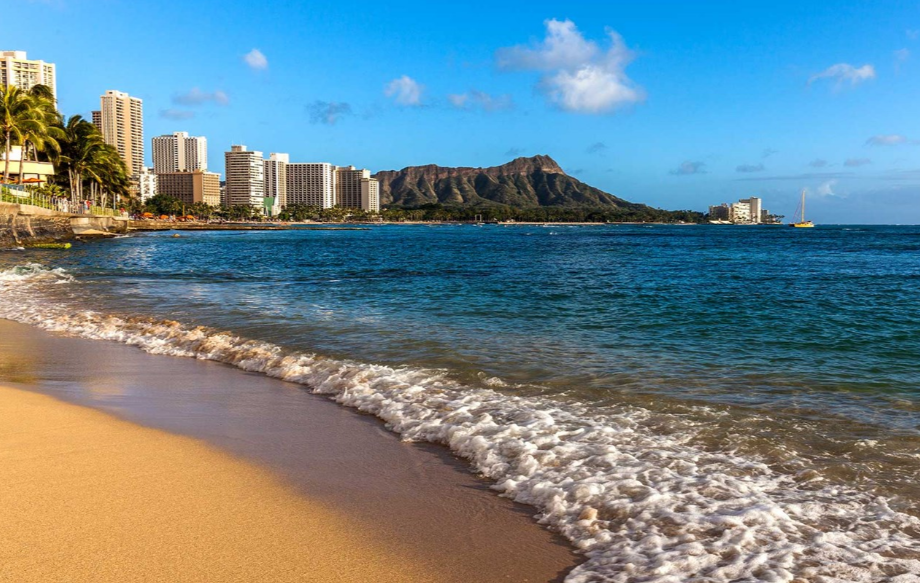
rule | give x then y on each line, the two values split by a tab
856	162
474	99
197	97
845	73
887	140
826	188
578	75
405	91
328	113
689	167
256	60
901	55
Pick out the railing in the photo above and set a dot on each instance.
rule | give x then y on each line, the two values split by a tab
17	194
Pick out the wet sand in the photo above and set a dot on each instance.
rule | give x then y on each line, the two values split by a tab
421	501
87	497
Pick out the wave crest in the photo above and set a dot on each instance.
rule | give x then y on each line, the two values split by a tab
641	505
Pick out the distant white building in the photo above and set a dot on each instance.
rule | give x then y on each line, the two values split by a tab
370	194
311	184
18	71
180	152
245	172
147	184
276	179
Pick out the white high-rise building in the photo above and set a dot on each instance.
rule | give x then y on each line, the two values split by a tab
146	184
122	118
180	153
245	171
370	194
311	184
18	71
276	178
756	206
348	186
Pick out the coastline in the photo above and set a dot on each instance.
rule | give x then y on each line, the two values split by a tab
419	500
87	497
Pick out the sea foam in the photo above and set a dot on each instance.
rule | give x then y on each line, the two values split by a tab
642	504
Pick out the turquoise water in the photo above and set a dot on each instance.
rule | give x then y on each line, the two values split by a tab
795	349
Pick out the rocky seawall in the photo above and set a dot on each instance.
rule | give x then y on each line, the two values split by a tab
24	225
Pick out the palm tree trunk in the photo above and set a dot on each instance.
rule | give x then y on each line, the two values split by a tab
6	162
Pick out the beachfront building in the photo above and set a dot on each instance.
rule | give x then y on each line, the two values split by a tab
28	172
245	171
147	183
276	180
18	71
190	187
97	120
747	211
348	180
311	184
756	207
370	194
122	125
180	152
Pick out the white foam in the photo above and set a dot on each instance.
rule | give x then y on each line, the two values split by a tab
642	505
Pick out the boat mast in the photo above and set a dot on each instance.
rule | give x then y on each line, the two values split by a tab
803	205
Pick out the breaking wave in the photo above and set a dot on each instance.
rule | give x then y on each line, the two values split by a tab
627	486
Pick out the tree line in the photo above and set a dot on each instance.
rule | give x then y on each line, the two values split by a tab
86	168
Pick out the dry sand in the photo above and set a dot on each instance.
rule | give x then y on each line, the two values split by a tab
87	497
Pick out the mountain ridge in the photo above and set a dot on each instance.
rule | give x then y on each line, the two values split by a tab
535	181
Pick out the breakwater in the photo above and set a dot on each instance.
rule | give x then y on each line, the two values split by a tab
23	225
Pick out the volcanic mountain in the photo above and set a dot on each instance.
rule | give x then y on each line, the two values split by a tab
523	182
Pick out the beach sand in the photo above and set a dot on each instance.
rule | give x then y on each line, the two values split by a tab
87	497
308	482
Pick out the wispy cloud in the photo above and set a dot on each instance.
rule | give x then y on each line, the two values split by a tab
888	140
797	177
514	152
900	57
597	148
826	188
176	114
768	152
578	76
256	60
843	73
856	162
913	33
475	99
198	97
818	163
750	168
327	112
405	91
688	167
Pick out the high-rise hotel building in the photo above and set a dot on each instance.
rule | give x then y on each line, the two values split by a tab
121	119
356	189
311	184
245	171
276	179
180	152
18	71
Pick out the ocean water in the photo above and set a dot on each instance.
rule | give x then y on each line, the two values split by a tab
683	403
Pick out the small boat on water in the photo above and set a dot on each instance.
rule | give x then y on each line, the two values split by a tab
802	223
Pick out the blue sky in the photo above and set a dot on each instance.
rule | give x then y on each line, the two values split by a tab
674	104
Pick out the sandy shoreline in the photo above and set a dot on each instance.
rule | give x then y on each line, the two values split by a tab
417	503
87	497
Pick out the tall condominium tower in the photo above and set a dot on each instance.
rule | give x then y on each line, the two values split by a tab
245	177
311	183
122	119
348	186
370	194
276	178
16	70
180	153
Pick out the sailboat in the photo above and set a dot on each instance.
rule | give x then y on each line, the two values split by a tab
802	224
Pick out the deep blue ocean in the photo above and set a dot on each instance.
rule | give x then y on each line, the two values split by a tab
794	350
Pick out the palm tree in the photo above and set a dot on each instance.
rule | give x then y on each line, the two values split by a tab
45	133
80	144
19	117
